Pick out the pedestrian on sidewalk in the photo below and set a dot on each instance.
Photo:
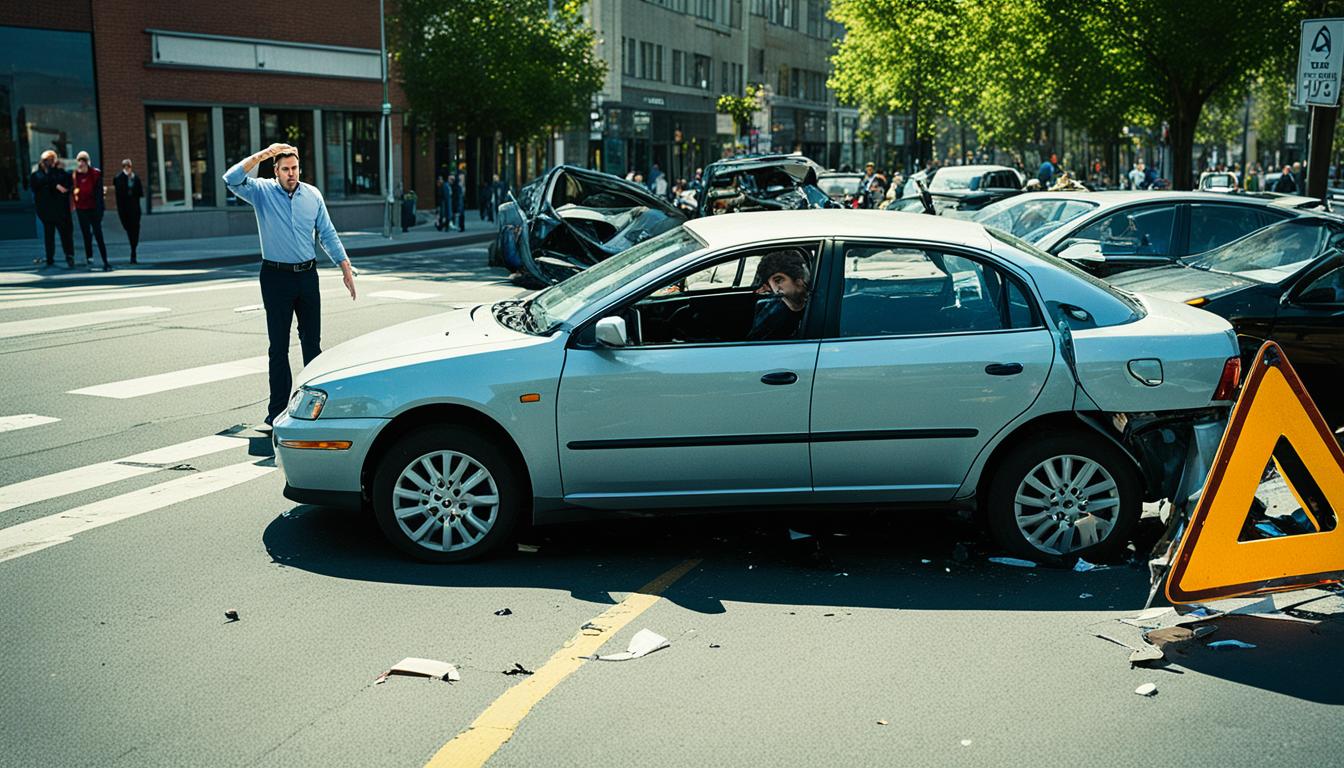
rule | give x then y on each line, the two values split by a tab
51	194
129	193
289	212
459	212
90	203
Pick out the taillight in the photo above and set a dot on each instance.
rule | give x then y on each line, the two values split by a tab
1227	383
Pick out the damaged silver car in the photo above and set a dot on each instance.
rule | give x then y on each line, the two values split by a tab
572	218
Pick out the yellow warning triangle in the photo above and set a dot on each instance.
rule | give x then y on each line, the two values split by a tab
1274	411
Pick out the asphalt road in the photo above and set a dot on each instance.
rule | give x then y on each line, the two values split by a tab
875	640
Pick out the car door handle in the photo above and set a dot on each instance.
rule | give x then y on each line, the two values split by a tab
779	377
1003	369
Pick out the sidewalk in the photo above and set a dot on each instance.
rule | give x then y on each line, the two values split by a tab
239	249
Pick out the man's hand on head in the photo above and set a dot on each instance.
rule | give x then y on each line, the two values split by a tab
280	149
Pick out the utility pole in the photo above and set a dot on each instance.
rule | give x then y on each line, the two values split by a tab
389	203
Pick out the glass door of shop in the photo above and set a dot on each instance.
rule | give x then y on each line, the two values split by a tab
174	189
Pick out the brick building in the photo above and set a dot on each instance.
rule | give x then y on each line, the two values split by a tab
187	92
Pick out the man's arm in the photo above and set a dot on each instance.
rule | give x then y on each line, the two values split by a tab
331	244
237	179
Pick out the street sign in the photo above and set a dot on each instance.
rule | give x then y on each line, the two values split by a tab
1274	423
1320	60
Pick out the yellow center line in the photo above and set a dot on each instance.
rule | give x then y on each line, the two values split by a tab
488	732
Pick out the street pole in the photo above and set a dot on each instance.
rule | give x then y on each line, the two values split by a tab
1318	149
388	204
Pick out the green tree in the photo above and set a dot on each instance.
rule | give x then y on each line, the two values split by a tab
740	108
481	66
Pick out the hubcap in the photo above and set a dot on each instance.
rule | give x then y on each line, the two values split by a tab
445	501
1066	503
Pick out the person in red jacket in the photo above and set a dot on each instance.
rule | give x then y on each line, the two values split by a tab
87	200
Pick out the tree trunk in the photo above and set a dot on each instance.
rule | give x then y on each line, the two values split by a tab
1181	140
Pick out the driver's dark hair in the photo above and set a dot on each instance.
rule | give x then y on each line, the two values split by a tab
793	262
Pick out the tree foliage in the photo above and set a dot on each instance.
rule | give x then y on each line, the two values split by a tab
741	108
481	66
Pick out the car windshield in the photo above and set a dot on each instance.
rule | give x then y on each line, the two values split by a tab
560	302
1272	253
1032	217
839	185
954	179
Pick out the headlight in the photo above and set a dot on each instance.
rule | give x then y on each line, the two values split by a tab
307	403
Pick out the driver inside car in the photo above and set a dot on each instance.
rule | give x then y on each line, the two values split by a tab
785	278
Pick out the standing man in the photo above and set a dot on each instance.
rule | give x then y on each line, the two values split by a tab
51	194
1136	176
129	193
1046	173
288	213
1299	180
90	203
459	180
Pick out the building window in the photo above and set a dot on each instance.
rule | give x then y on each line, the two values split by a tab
289	127
180	173
782	88
628	58
47	102
784	13
723	77
678	67
704	73
658	63
237	144
705	9
350	147
757	59
760	7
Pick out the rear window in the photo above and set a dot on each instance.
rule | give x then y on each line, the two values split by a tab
1106	304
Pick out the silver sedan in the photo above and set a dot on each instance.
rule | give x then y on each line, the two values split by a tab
786	360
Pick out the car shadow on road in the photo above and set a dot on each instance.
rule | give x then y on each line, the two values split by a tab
916	561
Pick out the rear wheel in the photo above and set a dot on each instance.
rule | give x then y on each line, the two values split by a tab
1064	496
445	494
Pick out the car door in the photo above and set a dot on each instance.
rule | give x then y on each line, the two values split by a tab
680	416
930	354
1215	224
1310	328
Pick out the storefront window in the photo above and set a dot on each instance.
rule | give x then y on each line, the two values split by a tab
350	146
289	127
181	176
237	143
47	102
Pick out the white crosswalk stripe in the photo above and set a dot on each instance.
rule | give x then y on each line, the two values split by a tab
163	382
66	322
26	538
107	472
402	295
24	421
116	293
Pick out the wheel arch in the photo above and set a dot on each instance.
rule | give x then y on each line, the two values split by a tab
446	414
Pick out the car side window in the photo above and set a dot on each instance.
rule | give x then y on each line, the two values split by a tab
1215	225
721	302
1326	290
1144	231
896	291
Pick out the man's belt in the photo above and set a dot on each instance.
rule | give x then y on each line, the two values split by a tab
286	267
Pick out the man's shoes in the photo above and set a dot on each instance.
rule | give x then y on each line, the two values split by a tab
133	261
107	267
69	263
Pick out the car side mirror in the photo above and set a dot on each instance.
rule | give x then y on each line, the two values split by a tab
610	332
1083	250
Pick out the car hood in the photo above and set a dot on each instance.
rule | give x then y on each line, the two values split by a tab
1177	282
436	336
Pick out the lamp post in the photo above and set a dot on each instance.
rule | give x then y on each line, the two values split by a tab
386	127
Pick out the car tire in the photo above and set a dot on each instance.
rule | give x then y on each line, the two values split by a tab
1059	497
446	495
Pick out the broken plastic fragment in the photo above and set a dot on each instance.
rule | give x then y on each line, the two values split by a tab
1222	644
1145	654
504	612
881	722
591	629
1013	561
925	561
528	548
1147	689
434	670
644	642
795	536
1082	566
1084	595
965	742
231	614
518	669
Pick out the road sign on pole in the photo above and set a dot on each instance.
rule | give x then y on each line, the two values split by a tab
1320	59
1273	424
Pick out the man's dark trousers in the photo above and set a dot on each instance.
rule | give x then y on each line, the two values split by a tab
50	226
131	223
286	294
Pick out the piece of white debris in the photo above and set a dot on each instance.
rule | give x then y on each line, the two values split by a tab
1147	689
1013	561
1222	644
528	548
925	561
434	670
1084	595
795	536
1082	566
644	642
965	742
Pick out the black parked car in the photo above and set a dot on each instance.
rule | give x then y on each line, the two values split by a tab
1284	282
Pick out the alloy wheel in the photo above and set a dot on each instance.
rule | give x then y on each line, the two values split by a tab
445	501
1066	503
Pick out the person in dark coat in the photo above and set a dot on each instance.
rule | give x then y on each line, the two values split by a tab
459	185
89	204
129	193
1286	184
51	192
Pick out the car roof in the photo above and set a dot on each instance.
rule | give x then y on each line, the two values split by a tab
974	168
1111	198
737	229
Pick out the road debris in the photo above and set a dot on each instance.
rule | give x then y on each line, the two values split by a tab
1084	595
591	629
1169	637
430	668
1230	644
965	742
528	548
644	642
795	536
1147	689
518	669
1082	566
925	560
231	614
715	645
1013	561
1146	654
504	612
881	722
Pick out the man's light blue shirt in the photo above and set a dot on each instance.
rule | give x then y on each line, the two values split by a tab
287	222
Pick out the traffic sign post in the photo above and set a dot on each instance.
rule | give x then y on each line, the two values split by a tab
1320	66
1274	422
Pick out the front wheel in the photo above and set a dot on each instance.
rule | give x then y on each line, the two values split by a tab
1064	496
445	494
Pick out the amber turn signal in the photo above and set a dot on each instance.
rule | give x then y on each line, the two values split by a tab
317	445
530	398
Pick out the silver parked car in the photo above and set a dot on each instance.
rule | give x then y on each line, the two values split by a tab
782	360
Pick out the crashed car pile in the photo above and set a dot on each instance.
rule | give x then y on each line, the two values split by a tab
572	218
